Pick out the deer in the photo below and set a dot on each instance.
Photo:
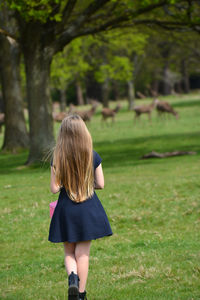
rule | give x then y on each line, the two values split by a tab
140	95
164	107
109	113
72	108
144	109
87	114
58	117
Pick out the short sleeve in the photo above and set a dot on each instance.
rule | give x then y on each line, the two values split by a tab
96	159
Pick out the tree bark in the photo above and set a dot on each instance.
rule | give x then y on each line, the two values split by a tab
16	135
116	92
155	86
79	93
105	93
167	88
178	87
185	77
131	94
63	99
37	63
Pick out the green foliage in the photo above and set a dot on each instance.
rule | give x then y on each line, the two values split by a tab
40	10
45	10
118	51
109	55
70	64
119	68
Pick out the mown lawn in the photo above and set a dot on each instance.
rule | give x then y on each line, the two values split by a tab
153	206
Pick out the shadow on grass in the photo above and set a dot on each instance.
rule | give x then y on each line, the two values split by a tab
15	163
122	152
126	152
187	103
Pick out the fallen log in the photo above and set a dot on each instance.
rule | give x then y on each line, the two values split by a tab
154	154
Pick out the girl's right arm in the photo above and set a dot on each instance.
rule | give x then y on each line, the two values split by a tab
98	178
54	187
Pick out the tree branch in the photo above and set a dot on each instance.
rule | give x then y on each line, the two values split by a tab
7	34
68	10
69	34
84	25
104	15
167	25
75	28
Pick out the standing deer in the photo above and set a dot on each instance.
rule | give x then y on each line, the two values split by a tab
109	113
58	117
87	114
72	109
144	109
164	107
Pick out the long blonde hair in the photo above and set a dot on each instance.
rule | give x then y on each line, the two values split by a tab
73	159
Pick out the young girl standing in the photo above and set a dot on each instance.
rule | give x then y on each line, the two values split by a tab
79	216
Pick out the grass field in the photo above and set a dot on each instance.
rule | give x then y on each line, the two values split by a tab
153	206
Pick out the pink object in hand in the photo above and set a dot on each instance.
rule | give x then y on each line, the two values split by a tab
52	208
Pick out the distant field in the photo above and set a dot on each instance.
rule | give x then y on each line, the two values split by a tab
153	206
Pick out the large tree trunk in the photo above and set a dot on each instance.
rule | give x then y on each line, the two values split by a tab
185	77
155	87
105	93
79	93
178	87
131	94
167	88
116	92
37	62
63	99
16	135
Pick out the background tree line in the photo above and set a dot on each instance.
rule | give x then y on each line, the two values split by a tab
125	64
37	31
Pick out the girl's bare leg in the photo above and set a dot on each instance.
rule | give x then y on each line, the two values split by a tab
70	260
82	253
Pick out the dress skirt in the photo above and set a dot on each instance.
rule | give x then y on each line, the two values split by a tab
74	222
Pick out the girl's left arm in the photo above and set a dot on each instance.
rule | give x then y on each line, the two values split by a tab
53	186
98	178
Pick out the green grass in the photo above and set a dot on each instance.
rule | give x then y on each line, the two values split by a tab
153	206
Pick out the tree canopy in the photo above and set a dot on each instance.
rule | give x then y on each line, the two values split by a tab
68	19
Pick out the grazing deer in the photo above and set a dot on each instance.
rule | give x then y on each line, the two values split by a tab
72	109
144	109
164	107
58	117
109	113
140	95
87	114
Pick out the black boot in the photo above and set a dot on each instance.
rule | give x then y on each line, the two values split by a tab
82	296
73	292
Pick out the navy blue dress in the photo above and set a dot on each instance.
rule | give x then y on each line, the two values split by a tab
75	222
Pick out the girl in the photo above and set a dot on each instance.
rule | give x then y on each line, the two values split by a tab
79	216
